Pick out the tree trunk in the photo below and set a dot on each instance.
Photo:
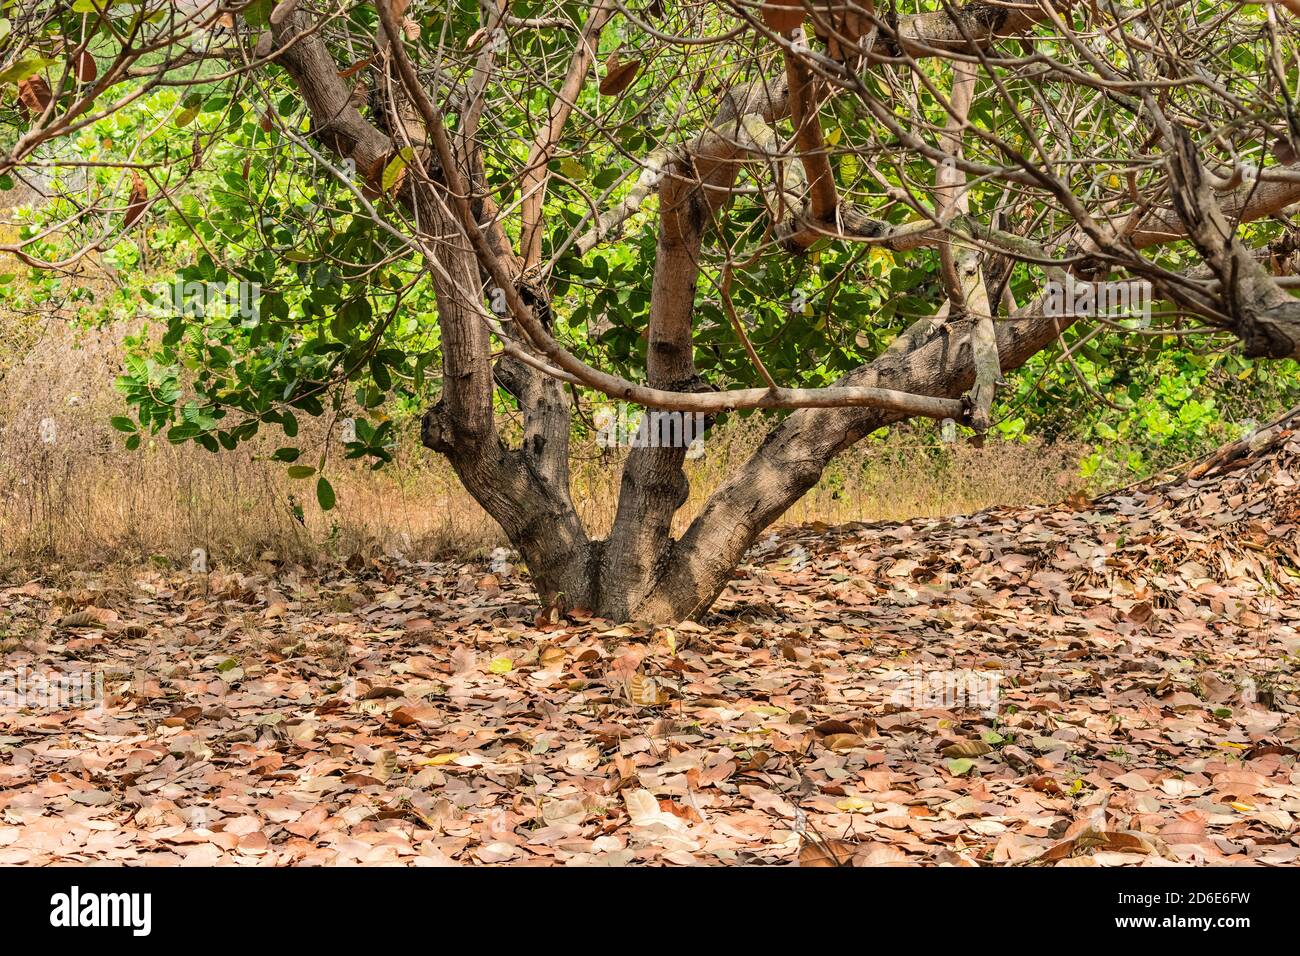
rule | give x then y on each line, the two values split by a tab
794	455
640	571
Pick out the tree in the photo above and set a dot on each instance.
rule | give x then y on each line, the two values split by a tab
732	160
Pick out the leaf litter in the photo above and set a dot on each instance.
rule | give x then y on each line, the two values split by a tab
1106	683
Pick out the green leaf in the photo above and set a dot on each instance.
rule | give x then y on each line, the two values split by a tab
301	471
324	494
20	70
960	765
258	13
573	169
122	424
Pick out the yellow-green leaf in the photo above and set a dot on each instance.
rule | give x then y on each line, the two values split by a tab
397	167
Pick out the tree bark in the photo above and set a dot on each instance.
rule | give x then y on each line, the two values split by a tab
796	452
526	490
640	571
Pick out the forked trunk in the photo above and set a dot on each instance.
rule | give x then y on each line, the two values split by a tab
640	572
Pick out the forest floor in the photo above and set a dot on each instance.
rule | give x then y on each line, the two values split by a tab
1092	683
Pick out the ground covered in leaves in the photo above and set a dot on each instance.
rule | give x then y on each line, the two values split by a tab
1107	683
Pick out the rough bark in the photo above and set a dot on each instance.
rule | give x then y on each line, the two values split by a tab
526	490
1250	304
653	485
640	571
932	357
796	452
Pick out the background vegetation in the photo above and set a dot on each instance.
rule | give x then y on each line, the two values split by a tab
341	295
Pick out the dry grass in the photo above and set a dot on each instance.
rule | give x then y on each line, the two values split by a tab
82	501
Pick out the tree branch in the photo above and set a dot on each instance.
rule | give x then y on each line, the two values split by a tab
536	173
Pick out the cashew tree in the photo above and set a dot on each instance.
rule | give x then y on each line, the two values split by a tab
837	214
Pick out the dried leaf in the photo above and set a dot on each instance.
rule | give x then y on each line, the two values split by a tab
827	853
81	619
967	748
84	67
644	691
138	202
618	75
34	95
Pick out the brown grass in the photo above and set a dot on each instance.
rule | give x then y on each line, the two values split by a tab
84	501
